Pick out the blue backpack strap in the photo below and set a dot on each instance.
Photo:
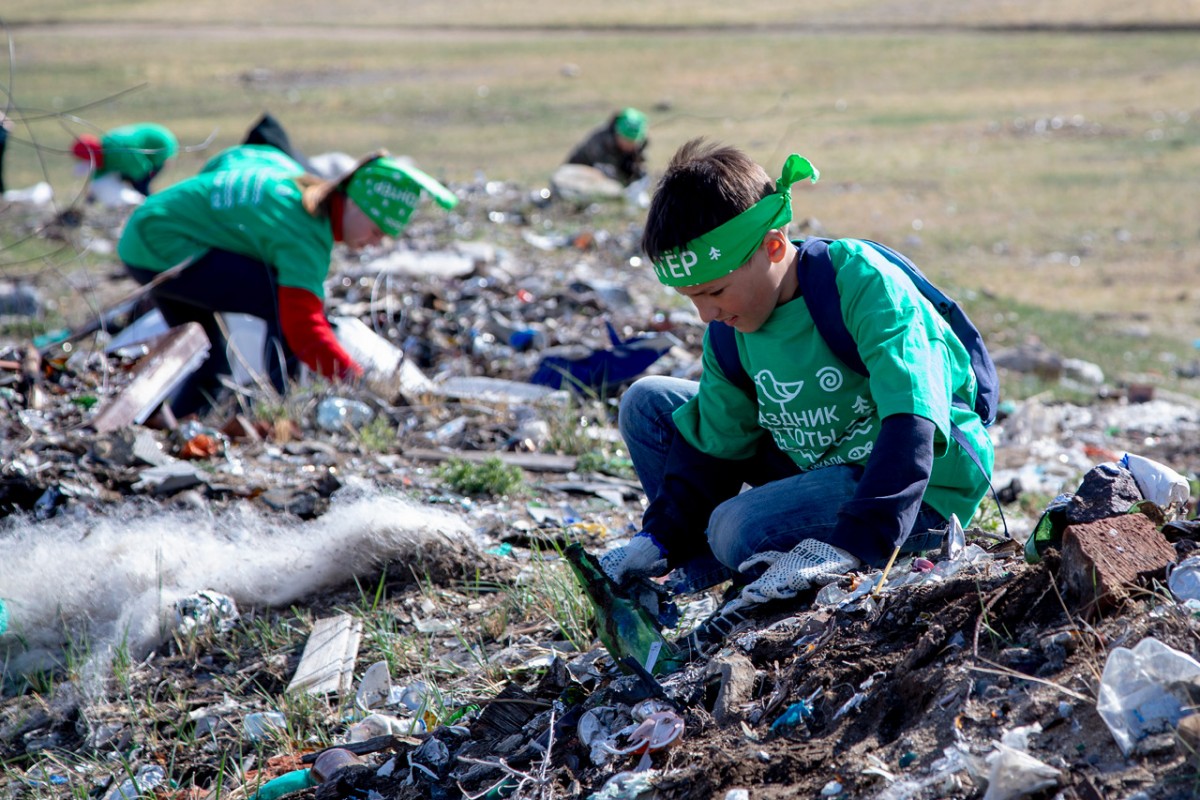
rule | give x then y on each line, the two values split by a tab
987	382
818	287
724	348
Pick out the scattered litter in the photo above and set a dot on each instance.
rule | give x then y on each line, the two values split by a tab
262	724
1184	579
1144	691
294	781
375	688
1015	774
793	719
340	414
1159	484
602	371
376	724
206	610
327	664
628	786
174	356
142	784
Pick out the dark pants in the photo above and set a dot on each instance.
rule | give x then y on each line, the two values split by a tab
3	144
142	185
218	282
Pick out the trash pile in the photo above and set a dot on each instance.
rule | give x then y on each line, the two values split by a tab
400	651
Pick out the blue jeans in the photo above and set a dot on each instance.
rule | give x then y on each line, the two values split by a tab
782	507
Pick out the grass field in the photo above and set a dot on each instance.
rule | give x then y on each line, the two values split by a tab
1046	156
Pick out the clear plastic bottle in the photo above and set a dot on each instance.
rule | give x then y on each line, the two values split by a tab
336	414
141	784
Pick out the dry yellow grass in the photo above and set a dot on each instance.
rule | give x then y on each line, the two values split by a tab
1054	168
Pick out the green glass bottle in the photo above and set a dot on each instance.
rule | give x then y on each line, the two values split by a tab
625	628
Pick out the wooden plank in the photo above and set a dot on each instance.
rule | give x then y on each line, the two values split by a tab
175	355
327	665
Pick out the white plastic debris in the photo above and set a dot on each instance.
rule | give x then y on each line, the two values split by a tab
1141	690
142	783
1184	579
413	697
39	194
375	688
1016	774
110	190
262	724
205	609
383	725
1159	484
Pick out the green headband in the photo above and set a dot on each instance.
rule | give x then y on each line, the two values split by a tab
388	192
725	248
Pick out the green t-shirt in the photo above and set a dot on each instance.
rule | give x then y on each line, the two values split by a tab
822	413
135	151
255	213
253	156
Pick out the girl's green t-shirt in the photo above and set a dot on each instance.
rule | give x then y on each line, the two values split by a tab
253	156
135	151
821	412
252	212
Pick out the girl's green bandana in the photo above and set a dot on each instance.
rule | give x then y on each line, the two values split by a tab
388	192
731	244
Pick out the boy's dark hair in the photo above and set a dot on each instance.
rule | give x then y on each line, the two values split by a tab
705	185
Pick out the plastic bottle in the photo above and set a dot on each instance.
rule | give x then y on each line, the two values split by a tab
625	628
335	414
261	724
3	616
140	784
330	761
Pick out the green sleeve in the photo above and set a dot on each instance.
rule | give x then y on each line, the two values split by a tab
721	420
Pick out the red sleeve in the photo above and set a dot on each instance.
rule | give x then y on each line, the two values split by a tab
308	334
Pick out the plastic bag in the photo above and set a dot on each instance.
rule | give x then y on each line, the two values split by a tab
1159	484
1015	773
1142	691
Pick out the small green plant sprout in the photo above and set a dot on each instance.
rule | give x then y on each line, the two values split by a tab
488	477
378	435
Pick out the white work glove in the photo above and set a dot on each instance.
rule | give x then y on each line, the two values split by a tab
810	562
641	558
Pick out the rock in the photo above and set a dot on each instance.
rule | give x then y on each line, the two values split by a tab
1031	358
736	674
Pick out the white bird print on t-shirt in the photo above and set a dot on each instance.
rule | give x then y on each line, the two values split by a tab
775	391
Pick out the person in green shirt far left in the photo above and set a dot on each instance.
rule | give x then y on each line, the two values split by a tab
254	235
135	153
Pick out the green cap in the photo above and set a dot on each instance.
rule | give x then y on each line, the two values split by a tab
631	124
388	192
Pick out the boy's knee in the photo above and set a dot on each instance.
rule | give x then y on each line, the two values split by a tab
725	537
639	400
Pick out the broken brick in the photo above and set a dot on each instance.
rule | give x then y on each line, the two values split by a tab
1103	558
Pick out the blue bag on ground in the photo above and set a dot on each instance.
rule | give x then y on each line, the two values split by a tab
603	372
